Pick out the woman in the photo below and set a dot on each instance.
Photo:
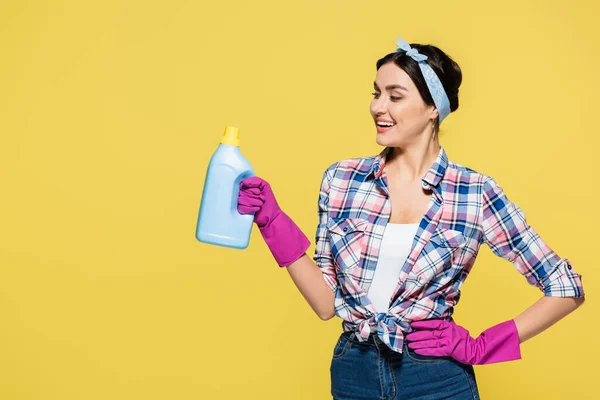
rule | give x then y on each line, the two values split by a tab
397	236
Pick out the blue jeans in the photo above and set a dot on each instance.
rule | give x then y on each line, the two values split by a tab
372	371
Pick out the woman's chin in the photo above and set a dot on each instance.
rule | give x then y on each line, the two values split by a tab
384	140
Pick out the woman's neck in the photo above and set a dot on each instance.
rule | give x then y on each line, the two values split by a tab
411	164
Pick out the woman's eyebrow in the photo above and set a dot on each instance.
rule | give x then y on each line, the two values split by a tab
391	87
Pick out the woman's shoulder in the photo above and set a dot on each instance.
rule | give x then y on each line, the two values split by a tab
469	180
468	174
352	168
358	163
353	163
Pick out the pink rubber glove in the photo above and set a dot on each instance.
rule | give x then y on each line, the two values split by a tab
283	237
445	338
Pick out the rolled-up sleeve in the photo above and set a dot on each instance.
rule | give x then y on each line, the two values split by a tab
322	256
509	236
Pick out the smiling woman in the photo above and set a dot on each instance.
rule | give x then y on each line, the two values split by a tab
407	105
397	237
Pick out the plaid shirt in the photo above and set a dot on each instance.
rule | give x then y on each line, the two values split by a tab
466	209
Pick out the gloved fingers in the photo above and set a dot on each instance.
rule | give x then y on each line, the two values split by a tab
427	344
425	334
252	191
249	201
247	209
253	182
433	352
430	324
421	335
248	204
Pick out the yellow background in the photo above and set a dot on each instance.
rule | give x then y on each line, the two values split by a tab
110	111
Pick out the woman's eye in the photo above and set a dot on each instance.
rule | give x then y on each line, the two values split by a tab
393	98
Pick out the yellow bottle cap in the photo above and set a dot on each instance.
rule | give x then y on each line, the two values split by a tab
231	136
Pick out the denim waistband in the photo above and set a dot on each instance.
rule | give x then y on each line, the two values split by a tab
372	340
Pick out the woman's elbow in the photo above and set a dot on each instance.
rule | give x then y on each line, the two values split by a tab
326	316
327	312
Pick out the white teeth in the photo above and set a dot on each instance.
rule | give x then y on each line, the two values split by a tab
381	123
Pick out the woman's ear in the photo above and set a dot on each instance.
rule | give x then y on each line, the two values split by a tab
434	113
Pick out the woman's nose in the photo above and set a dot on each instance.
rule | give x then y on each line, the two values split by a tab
378	106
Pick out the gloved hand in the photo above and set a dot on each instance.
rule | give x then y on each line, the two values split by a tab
445	338
283	237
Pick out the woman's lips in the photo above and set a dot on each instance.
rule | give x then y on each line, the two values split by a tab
382	129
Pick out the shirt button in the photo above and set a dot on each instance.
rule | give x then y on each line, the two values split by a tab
569	267
345	229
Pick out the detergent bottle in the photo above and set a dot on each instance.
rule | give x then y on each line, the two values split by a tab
219	222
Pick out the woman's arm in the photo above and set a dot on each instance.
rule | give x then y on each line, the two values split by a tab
309	280
544	313
500	343
317	280
287	243
509	236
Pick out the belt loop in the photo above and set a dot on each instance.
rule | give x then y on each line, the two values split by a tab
377	341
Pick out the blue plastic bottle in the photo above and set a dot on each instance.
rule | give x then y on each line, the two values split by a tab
219	222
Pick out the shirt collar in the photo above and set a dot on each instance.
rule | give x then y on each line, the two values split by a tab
431	178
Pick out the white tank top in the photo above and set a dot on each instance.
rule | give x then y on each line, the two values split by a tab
395	247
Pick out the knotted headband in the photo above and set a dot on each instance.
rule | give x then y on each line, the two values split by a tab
440	98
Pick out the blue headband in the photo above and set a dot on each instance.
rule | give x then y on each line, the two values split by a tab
440	98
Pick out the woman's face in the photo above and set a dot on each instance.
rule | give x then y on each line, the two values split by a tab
401	117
